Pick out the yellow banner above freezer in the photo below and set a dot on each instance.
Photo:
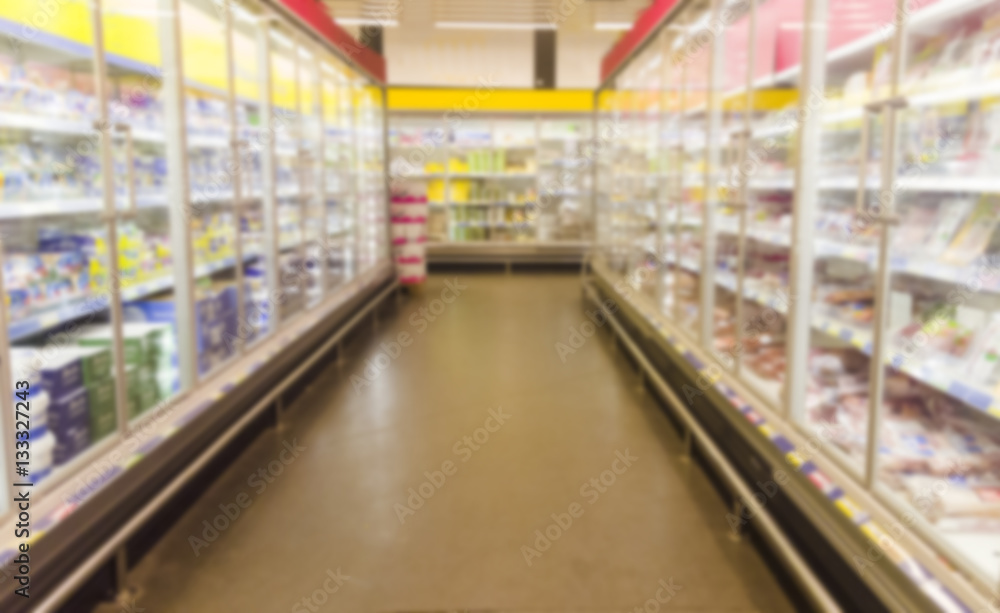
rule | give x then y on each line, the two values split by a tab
487	98
669	100
132	35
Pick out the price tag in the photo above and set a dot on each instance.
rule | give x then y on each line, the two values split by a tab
970	318
900	310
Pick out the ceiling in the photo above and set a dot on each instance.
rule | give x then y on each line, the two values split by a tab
566	15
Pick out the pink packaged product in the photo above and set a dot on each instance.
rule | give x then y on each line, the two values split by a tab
408	199
410	252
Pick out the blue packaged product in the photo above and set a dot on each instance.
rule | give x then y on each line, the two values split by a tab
72	443
152	311
230	324
212	336
62	374
69	412
227	299
56	241
207	309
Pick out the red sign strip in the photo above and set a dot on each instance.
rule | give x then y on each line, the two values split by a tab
313	14
643	26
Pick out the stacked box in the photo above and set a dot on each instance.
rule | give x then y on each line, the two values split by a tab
217	330
227	298
95	364
257	306
69	412
142	388
69	421
71	416
144	352
95	369
139	341
101	400
61	373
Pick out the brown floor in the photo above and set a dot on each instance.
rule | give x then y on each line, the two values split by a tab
332	507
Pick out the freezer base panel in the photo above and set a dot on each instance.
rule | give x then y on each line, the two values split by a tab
506	254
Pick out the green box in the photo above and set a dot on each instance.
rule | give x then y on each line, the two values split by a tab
142	388
95	363
103	419
138	377
147	398
132	406
141	341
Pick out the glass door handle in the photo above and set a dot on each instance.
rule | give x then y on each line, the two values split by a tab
131	207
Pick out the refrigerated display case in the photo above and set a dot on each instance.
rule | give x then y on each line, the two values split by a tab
825	243
506	183
182	179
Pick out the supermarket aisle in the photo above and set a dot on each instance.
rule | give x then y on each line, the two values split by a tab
413	488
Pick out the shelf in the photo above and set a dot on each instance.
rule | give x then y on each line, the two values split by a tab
85	128
491	146
951	183
492	175
831	248
498	204
914	183
82	306
926	372
26	209
861	339
486	224
565	163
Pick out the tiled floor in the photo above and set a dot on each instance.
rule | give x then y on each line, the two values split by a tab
342	501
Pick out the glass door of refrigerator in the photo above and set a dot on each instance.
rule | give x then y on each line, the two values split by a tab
470	152
609	126
641	172
766	176
337	178
311	147
377	180
417	158
938	431
253	142
55	261
511	167
843	292
564	172
371	175
210	155
344	136
730	97
694	58
287	149
146	266
626	226
670	172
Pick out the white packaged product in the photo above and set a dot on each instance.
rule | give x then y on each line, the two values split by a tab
42	458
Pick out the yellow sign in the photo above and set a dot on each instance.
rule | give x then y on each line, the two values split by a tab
490	99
